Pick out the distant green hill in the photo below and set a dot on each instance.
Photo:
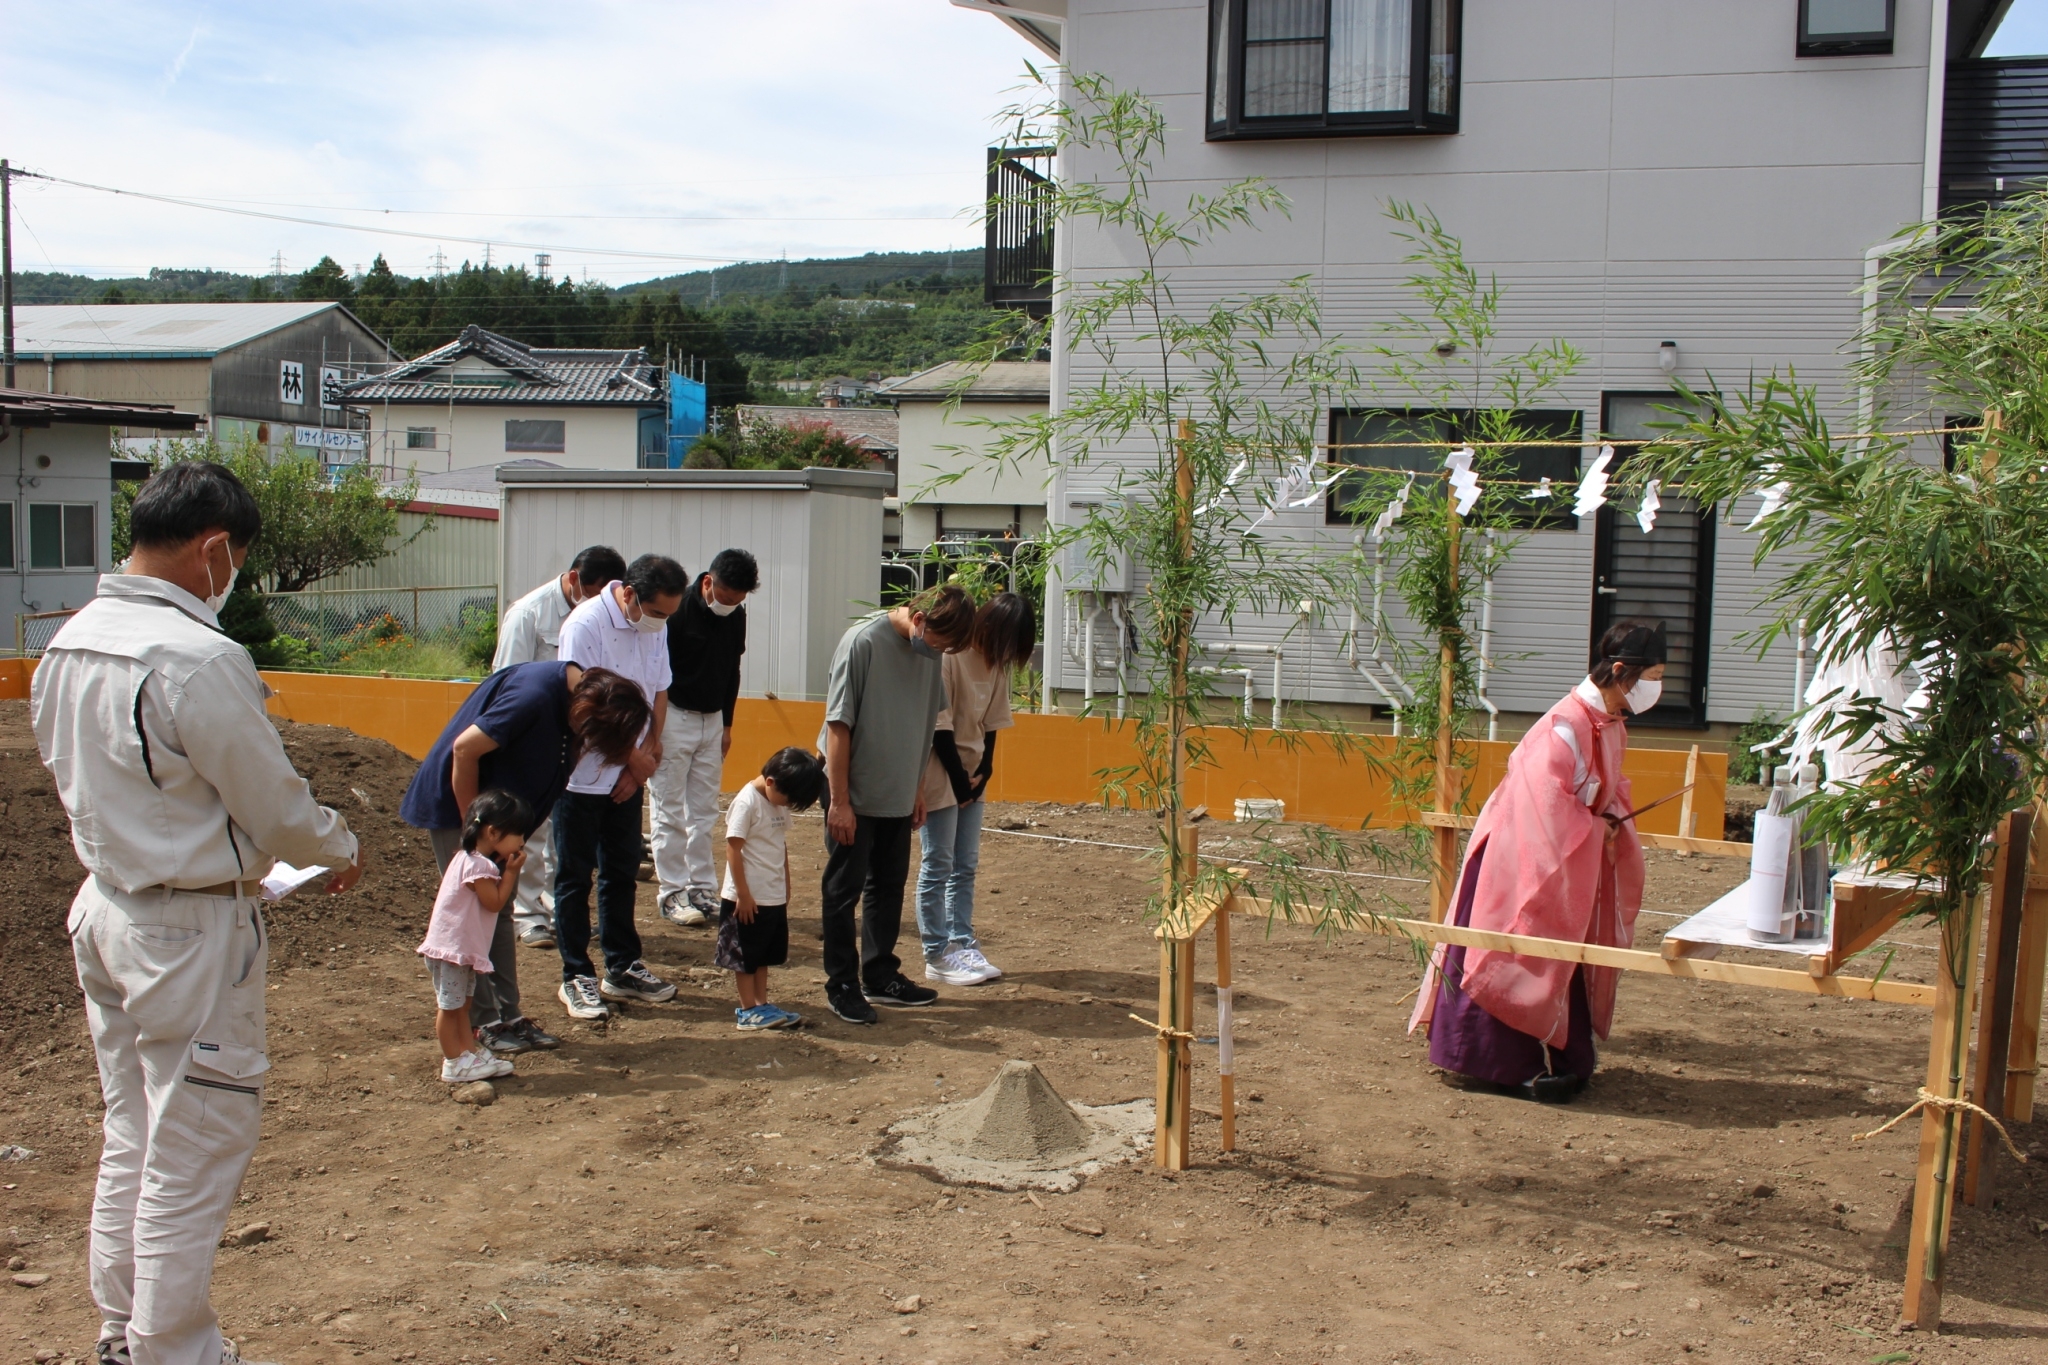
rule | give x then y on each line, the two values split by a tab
851	276
161	285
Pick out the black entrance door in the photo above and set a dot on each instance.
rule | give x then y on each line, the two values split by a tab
1664	576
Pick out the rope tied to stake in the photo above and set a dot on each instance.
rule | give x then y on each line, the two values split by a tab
1929	1100
1162	1030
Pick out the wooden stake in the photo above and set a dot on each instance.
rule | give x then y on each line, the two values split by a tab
2023	1055
1688	819
1994	1023
1940	1132
1226	1004
1443	866
1172	1101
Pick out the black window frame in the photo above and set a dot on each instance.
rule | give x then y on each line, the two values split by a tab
1870	43
1226	22
1445	427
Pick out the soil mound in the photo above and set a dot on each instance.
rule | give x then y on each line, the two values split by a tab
39	873
1019	1133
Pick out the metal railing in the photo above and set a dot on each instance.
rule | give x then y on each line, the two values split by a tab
1017	259
34	630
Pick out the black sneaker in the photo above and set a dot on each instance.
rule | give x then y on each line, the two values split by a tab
504	1039
851	1006
535	1035
636	983
903	991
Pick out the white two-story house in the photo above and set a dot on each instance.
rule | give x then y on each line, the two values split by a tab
1679	188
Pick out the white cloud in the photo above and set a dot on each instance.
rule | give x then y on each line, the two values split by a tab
701	127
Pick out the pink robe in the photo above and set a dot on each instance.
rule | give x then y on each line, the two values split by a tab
1548	873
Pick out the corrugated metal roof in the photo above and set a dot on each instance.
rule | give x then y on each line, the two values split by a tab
532	374
157	329
1003	381
33	408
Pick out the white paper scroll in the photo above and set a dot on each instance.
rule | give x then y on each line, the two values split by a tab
1770	858
1646	514
1593	487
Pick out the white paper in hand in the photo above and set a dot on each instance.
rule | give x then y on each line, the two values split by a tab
285	879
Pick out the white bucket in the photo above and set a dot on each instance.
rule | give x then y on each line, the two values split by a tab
1253	808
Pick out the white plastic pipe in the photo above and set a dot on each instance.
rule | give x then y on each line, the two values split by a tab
1799	657
1088	652
1371	671
1120	615
1250	683
1278	653
1486	639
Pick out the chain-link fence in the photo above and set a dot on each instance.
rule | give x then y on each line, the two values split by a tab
325	618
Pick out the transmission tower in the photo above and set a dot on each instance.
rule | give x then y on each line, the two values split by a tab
440	264
541	260
277	268
784	282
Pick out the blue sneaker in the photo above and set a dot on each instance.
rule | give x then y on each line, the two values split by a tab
782	1018
754	1019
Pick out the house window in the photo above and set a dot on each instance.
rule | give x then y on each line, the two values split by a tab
420	438
1846	28
7	536
60	536
1373	437
536	438
1332	68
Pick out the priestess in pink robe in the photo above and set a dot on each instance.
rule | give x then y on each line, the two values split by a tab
1546	860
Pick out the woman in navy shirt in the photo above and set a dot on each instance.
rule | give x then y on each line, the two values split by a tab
522	730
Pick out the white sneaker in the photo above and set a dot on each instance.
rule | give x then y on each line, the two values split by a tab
972	959
477	1064
579	996
676	908
950	969
230	1356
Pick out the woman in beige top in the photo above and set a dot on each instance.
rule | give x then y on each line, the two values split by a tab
963	755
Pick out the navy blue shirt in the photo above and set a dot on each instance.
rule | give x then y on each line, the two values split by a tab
525	710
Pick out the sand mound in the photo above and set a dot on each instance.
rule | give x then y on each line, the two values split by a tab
1018	1134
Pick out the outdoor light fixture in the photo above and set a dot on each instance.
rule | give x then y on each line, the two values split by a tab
1447	348
1667	357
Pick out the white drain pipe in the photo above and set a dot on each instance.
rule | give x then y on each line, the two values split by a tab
1370	671
1486	637
1279	661
1250	683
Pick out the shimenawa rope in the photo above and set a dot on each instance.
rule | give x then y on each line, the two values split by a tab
1929	1100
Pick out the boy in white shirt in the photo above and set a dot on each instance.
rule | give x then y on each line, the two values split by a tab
753	928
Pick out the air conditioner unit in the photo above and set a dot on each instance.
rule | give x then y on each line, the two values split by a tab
1083	566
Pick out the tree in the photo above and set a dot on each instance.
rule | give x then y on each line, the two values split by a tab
1897	550
767	444
316	522
326	280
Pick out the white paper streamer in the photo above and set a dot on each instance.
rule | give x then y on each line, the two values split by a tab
1226	1011
1542	488
1593	487
1774	498
1646	515
1464	483
1393	510
1230	481
1298	487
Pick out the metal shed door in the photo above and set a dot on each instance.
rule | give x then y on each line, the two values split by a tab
1664	577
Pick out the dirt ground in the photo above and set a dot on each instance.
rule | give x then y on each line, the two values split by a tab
664	1188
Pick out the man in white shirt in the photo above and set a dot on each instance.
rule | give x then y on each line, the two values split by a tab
599	819
181	797
530	633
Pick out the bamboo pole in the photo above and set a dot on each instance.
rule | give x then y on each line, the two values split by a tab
1443	865
1995	1020
1226	1009
1941	1128
2023	1056
1176	944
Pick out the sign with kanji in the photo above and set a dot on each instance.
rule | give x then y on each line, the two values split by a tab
330	387
291	382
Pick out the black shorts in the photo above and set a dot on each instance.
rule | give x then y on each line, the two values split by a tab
750	947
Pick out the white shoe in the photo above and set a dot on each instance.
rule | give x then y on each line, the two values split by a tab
475	1065
579	996
950	969
676	908
972	959
230	1356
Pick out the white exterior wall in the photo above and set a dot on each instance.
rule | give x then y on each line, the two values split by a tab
816	533
471	434
934	442
79	472
459	552
1634	171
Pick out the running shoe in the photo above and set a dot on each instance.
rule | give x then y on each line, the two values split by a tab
636	983
753	1018
504	1039
475	1065
951	969
972	959
902	991
536	1035
579	994
852	1006
676	909
536	936
782	1018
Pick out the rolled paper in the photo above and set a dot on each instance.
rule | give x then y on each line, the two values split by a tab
1770	858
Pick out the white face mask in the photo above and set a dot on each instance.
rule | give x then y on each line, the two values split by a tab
1643	695
719	608
650	625
215	601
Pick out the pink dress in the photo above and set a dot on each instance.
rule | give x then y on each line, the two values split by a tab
460	931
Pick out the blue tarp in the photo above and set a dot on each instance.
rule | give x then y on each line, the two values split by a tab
686	416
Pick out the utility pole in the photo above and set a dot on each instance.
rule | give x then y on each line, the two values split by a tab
6	275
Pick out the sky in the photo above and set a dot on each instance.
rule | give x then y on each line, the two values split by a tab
2024	32
718	130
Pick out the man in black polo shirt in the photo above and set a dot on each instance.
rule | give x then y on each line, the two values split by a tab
706	638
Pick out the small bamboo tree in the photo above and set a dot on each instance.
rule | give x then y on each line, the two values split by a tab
1939	558
1199	424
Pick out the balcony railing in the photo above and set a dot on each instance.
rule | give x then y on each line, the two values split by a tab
1017	261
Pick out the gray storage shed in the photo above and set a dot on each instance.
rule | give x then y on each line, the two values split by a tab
816	532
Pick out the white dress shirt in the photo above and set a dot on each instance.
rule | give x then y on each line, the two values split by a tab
532	629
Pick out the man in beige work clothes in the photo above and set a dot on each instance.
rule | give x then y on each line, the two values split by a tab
181	798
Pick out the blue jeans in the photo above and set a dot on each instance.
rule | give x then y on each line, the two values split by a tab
596	833
945	879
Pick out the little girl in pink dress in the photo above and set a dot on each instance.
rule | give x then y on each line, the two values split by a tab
475	890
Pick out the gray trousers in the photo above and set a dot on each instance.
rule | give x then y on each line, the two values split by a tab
497	991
